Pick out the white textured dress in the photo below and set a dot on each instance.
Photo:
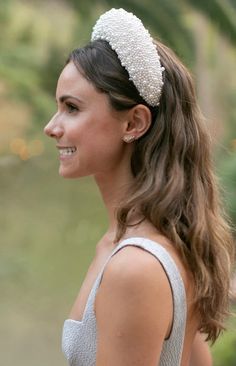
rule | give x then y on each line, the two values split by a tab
80	337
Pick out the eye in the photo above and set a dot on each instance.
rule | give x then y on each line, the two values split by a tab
71	108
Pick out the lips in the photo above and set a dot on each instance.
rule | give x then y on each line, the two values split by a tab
67	151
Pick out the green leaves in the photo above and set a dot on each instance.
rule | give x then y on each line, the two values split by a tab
221	13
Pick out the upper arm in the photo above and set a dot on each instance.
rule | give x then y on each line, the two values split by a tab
133	310
200	354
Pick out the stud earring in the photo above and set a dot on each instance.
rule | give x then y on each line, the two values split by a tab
128	139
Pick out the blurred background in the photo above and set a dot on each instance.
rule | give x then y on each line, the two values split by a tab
49	226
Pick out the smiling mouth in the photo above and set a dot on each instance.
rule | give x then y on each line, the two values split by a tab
66	151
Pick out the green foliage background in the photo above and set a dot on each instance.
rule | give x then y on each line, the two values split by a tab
49	227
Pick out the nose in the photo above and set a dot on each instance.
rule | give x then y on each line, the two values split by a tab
53	129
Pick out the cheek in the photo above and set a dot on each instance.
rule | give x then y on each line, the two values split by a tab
98	141
101	132
101	150
105	146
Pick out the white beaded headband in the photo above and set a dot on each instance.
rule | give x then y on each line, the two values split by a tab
135	49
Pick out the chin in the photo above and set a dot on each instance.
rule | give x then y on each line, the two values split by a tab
69	174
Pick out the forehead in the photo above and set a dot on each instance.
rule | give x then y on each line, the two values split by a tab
72	82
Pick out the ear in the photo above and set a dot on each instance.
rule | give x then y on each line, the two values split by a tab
138	121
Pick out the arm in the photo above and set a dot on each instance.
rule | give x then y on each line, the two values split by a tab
200	354
134	290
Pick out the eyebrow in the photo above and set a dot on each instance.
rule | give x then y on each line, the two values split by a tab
63	98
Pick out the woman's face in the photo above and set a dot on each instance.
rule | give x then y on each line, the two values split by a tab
88	133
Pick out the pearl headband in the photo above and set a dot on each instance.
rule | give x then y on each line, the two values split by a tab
135	49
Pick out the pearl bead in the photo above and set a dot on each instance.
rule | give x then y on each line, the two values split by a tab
135	49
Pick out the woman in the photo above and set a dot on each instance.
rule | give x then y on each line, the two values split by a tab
127	114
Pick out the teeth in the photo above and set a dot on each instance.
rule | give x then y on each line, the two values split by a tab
67	150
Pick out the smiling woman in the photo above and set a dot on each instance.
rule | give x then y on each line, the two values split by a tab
85	127
127	115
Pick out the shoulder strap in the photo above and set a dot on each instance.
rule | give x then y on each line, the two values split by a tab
175	341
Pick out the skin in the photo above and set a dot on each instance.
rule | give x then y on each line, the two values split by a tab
86	123
200	354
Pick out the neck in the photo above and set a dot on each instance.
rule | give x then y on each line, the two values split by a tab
112	187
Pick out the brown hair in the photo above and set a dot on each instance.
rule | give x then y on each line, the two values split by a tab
174	186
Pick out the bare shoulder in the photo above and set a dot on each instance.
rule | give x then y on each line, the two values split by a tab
134	293
200	354
136	267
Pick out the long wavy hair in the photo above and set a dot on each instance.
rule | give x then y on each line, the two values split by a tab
174	186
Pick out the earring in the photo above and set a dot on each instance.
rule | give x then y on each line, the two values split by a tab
128	139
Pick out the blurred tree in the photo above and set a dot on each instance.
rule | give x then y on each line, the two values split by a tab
224	349
221	13
51	68
35	39
31	54
165	18
21	62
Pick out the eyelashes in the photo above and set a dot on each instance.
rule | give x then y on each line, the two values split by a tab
71	108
